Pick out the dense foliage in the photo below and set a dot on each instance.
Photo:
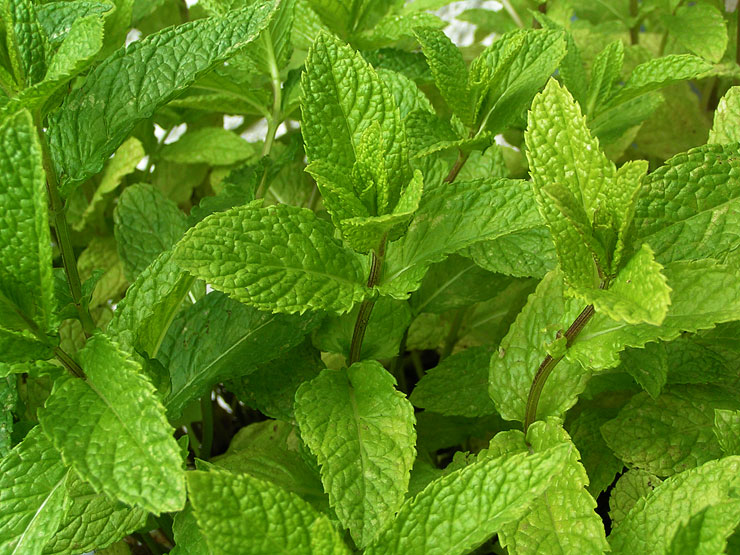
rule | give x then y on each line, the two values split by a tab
444	300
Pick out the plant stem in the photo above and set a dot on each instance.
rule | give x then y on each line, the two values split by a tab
366	308
206	442
549	364
69	363
462	157
452	336
61	230
273	122
635	29
513	13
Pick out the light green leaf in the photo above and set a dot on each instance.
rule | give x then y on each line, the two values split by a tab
562	519
92	520
458	385
672	433
451	218
8	401
280	258
708	530
704	294
209	145
361	429
638	294
658	73
630	487
84	40
112	430
407	95
525	253
101	255
458	512
132	83
727	119
620	206
218	338
605	72
28	46
57	18
26	282
348	17
600	463
700	28
525	346
727	430
654	520
22	346
688	208
145	224
342	98
395	28
189	540
262	518
124	162
613	123
567	163
449	71
648	366
32	495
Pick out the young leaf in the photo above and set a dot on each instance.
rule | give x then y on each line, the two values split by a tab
28	47
525	253
137	80
214	146
145	224
525	346
218	338
112	430
280	258
630	487
458	512
262	518
361	429
648	366
32	495
57	18
727	119
687	209
654	520
189	540
26	282
699	28
604	73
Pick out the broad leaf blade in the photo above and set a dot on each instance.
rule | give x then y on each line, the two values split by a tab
700	28
726	128
112	429
362	431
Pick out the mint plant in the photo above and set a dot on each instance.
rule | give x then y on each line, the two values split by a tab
408	297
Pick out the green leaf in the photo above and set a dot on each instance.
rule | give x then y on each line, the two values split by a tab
92	520
605	72
8	400
112	430
32	495
648	366
97	117
361	429
672	433
407	95
700	28
28	46
449	71
451	218
57	18
704	294
654	520
727	119
458	512
26	281
708	530
262	518
189	540
101	255
600	463
280	258
82	43
343	100
525	346
688	208
563	517
658	73
726	428
570	175
394	29
146	225
638	294
630	487
22	346
457	385
525	253
218	338
209	145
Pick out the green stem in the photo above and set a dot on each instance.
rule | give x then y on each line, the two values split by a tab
61	229
452	336
635	29
366	308
273	122
206	410
462	157
548	365
69	363
513	13
397	362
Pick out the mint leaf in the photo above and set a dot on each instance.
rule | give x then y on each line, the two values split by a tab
458	512
26	282
605	72
654	520
699	28
520	353
214	146
726	427
57	18
112	430
407	95
457	385
708	530
600	463
263	517
672	433
28	46
649	367
189	540
726	118
87	130
218	338
563	517
145	224
525	253
630	487
32	495
8	400
361	429
280	258
686	209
